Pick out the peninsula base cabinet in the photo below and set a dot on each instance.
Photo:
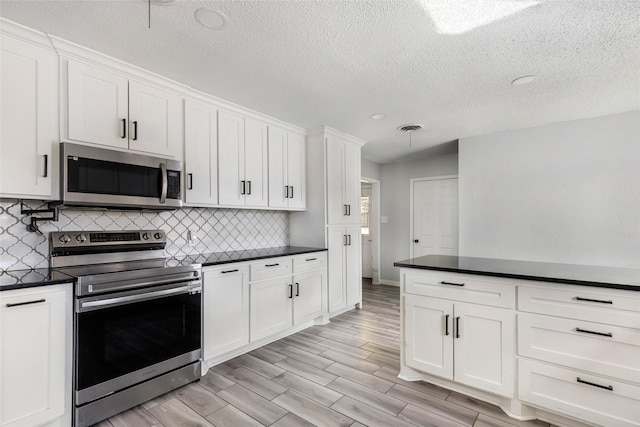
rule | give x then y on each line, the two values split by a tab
249	304
571	359
35	356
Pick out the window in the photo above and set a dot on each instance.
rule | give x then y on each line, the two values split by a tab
364	215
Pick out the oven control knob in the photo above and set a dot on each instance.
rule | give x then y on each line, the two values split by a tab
64	239
145	236
157	236
81	238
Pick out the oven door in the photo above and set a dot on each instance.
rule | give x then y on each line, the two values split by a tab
129	337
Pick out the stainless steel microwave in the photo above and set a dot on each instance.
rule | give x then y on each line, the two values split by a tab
98	177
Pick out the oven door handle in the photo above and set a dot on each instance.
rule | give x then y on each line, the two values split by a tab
112	302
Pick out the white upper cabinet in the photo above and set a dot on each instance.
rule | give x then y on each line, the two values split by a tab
200	153
287	179
108	108
242	165
29	117
343	181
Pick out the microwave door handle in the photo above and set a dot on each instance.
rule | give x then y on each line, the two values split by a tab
163	190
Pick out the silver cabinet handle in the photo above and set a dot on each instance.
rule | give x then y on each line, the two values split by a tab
190	187
249	187
165	182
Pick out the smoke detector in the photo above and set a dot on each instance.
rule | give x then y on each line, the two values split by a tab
410	127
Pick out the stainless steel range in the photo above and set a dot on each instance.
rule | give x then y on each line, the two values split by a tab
137	321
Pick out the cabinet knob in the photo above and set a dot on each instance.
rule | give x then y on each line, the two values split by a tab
416	241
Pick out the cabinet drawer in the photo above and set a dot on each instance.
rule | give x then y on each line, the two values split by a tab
613	306
269	268
310	262
595	399
461	287
596	347
225	271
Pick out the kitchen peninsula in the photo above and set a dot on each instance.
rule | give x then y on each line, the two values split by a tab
556	342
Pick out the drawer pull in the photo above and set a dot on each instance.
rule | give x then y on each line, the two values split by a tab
606	387
25	303
446	324
272	265
604	334
451	283
594	300
229	271
311	259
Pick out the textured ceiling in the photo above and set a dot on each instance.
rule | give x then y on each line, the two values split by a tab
447	64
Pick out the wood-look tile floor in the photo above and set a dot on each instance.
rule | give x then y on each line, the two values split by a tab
340	374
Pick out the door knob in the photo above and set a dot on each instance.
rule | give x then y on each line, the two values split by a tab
416	241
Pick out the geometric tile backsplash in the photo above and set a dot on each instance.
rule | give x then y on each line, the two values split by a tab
218	230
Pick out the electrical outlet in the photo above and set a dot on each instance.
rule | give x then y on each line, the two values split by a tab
192	237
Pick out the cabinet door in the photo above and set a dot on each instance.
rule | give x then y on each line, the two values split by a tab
230	158
154	120
271	302
201	153
98	104
225	310
32	356
256	163
353	265
336	243
278	184
336	209
307	296
485	348
428	333
352	183
29	117
296	171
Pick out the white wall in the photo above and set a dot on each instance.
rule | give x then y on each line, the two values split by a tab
395	191
567	192
370	169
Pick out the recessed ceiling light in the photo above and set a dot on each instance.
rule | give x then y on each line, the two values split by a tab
211	18
164	2
378	116
524	80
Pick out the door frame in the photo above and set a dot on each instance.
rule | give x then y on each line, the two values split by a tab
374	221
412	181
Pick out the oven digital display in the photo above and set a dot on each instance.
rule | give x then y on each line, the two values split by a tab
114	237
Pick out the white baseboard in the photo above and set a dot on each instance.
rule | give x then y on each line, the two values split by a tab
389	282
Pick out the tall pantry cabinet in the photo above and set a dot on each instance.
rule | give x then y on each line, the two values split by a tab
332	218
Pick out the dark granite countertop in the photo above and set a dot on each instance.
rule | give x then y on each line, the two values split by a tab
19	279
217	258
586	275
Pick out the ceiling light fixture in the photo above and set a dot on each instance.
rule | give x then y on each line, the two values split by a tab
410	127
524	80
210	18
378	116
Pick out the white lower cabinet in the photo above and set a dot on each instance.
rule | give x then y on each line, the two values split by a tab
248	304
467	343
579	352
271	303
35	356
225	309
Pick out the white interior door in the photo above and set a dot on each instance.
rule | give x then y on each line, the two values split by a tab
435	217
367	229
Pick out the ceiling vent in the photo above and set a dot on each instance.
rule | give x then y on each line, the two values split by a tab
410	127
